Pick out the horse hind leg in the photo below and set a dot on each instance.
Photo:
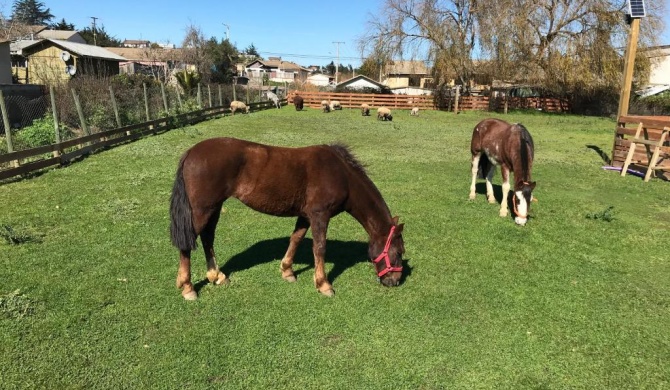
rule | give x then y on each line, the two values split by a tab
214	275
319	229
286	265
184	276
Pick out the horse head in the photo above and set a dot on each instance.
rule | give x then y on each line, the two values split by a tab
386	254
523	195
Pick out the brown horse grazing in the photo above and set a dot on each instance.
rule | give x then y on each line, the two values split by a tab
313	183
496	142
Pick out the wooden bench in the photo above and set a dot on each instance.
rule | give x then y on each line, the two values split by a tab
642	143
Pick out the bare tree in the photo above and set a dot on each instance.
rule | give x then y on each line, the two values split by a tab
194	53
442	31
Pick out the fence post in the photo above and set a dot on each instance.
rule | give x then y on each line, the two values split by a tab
146	102
505	102
82	119
165	101
116	108
458	90
209	94
54	111
8	130
181	105
200	96
247	94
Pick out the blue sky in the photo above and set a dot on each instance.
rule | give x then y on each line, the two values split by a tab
305	28
298	31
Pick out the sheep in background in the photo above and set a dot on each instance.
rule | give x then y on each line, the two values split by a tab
415	111
384	114
325	105
298	102
365	109
237	105
335	105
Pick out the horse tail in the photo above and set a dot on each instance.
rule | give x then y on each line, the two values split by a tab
527	150
182	232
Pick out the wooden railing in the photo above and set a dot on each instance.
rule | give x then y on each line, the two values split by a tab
652	128
64	152
426	102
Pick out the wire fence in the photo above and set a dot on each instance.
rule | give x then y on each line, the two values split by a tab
87	106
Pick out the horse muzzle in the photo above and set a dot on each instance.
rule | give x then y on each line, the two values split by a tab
392	279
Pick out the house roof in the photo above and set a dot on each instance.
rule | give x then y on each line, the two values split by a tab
407	67
79	49
146	54
275	63
64	35
135	42
360	77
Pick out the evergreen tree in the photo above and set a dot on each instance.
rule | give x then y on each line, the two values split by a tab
62	25
31	12
102	38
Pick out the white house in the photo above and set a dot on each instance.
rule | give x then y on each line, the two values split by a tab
321	80
361	82
660	65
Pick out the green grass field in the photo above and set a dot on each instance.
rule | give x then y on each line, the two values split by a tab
578	298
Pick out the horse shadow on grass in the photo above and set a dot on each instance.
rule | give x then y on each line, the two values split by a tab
342	254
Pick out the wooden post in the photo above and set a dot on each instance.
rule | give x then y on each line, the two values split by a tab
116	108
165	101
146	102
8	129
54	111
235	96
200	96
629	64
247	94
181	105
209	94
506	101
82	119
458	89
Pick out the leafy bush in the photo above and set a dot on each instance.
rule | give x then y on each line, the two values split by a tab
40	133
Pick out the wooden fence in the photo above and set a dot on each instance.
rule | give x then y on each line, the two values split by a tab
64	152
652	129
427	102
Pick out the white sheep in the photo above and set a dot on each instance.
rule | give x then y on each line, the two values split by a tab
335	105
365	109
415	111
237	105
384	114
325	105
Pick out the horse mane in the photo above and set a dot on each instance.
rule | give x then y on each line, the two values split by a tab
527	150
344	151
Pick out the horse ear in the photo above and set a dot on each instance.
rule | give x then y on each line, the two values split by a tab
532	186
395	220
398	229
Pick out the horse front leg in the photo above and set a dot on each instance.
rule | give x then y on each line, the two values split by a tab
319	228
286	265
504	209
184	276
475	170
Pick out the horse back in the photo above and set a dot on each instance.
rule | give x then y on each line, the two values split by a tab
274	180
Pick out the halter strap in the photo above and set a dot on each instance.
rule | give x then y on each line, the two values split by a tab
385	255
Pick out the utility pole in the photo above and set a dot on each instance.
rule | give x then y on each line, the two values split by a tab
94	37
227	31
337	66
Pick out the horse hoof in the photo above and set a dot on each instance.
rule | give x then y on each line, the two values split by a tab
329	293
222	280
190	296
472	197
290	278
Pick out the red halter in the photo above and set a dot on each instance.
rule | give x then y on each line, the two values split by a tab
385	254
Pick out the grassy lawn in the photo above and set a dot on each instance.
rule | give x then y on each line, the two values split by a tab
568	301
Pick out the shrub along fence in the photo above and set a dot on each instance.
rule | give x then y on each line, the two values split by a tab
84	122
427	102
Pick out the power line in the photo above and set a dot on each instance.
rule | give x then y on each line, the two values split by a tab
319	56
